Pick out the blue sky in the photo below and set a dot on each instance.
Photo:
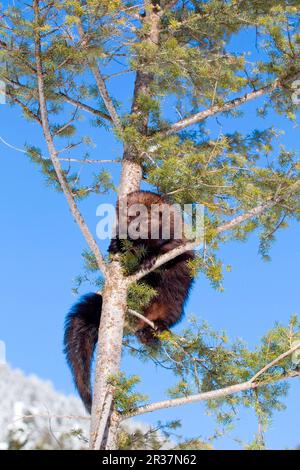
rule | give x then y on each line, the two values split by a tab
40	256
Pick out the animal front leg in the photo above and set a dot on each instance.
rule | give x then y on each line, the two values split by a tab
157	313
115	246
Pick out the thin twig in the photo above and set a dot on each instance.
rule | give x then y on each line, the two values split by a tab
87	160
32	416
11	146
102	88
273	363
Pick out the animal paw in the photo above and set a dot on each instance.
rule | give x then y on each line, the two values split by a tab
147	336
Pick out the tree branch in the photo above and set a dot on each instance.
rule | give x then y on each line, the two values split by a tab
51	147
105	96
256	211
231	104
25	108
110	440
141	317
62	159
60	94
222	392
102	87
84	106
11	146
273	363
105	414
87	160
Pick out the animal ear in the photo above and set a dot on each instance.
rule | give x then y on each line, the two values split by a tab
138	221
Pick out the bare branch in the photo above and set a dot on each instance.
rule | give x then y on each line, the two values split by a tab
211	395
53	153
84	106
11	146
87	160
65	159
222	392
25	108
273	363
255	212
105	96
202	115
141	317
32	416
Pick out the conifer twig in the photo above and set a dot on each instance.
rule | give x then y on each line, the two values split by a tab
235	222
227	106
52	150
219	393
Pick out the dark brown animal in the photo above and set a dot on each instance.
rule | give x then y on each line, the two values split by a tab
172	283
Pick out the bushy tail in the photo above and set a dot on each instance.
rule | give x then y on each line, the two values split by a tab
80	339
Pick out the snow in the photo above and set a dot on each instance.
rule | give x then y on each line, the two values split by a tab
33	415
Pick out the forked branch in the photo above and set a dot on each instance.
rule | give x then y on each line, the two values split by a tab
251	384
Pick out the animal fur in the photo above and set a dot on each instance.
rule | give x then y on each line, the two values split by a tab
172	283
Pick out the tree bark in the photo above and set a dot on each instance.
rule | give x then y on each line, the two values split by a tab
111	438
109	351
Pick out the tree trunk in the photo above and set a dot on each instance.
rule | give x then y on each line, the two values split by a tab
111	437
111	331
109	351
131	175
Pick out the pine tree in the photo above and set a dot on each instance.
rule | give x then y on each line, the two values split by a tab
57	59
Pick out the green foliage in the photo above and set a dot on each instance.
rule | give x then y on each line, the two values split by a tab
139	295
90	261
132	256
194	67
101	184
45	166
203	360
90	274
125	398
160	436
